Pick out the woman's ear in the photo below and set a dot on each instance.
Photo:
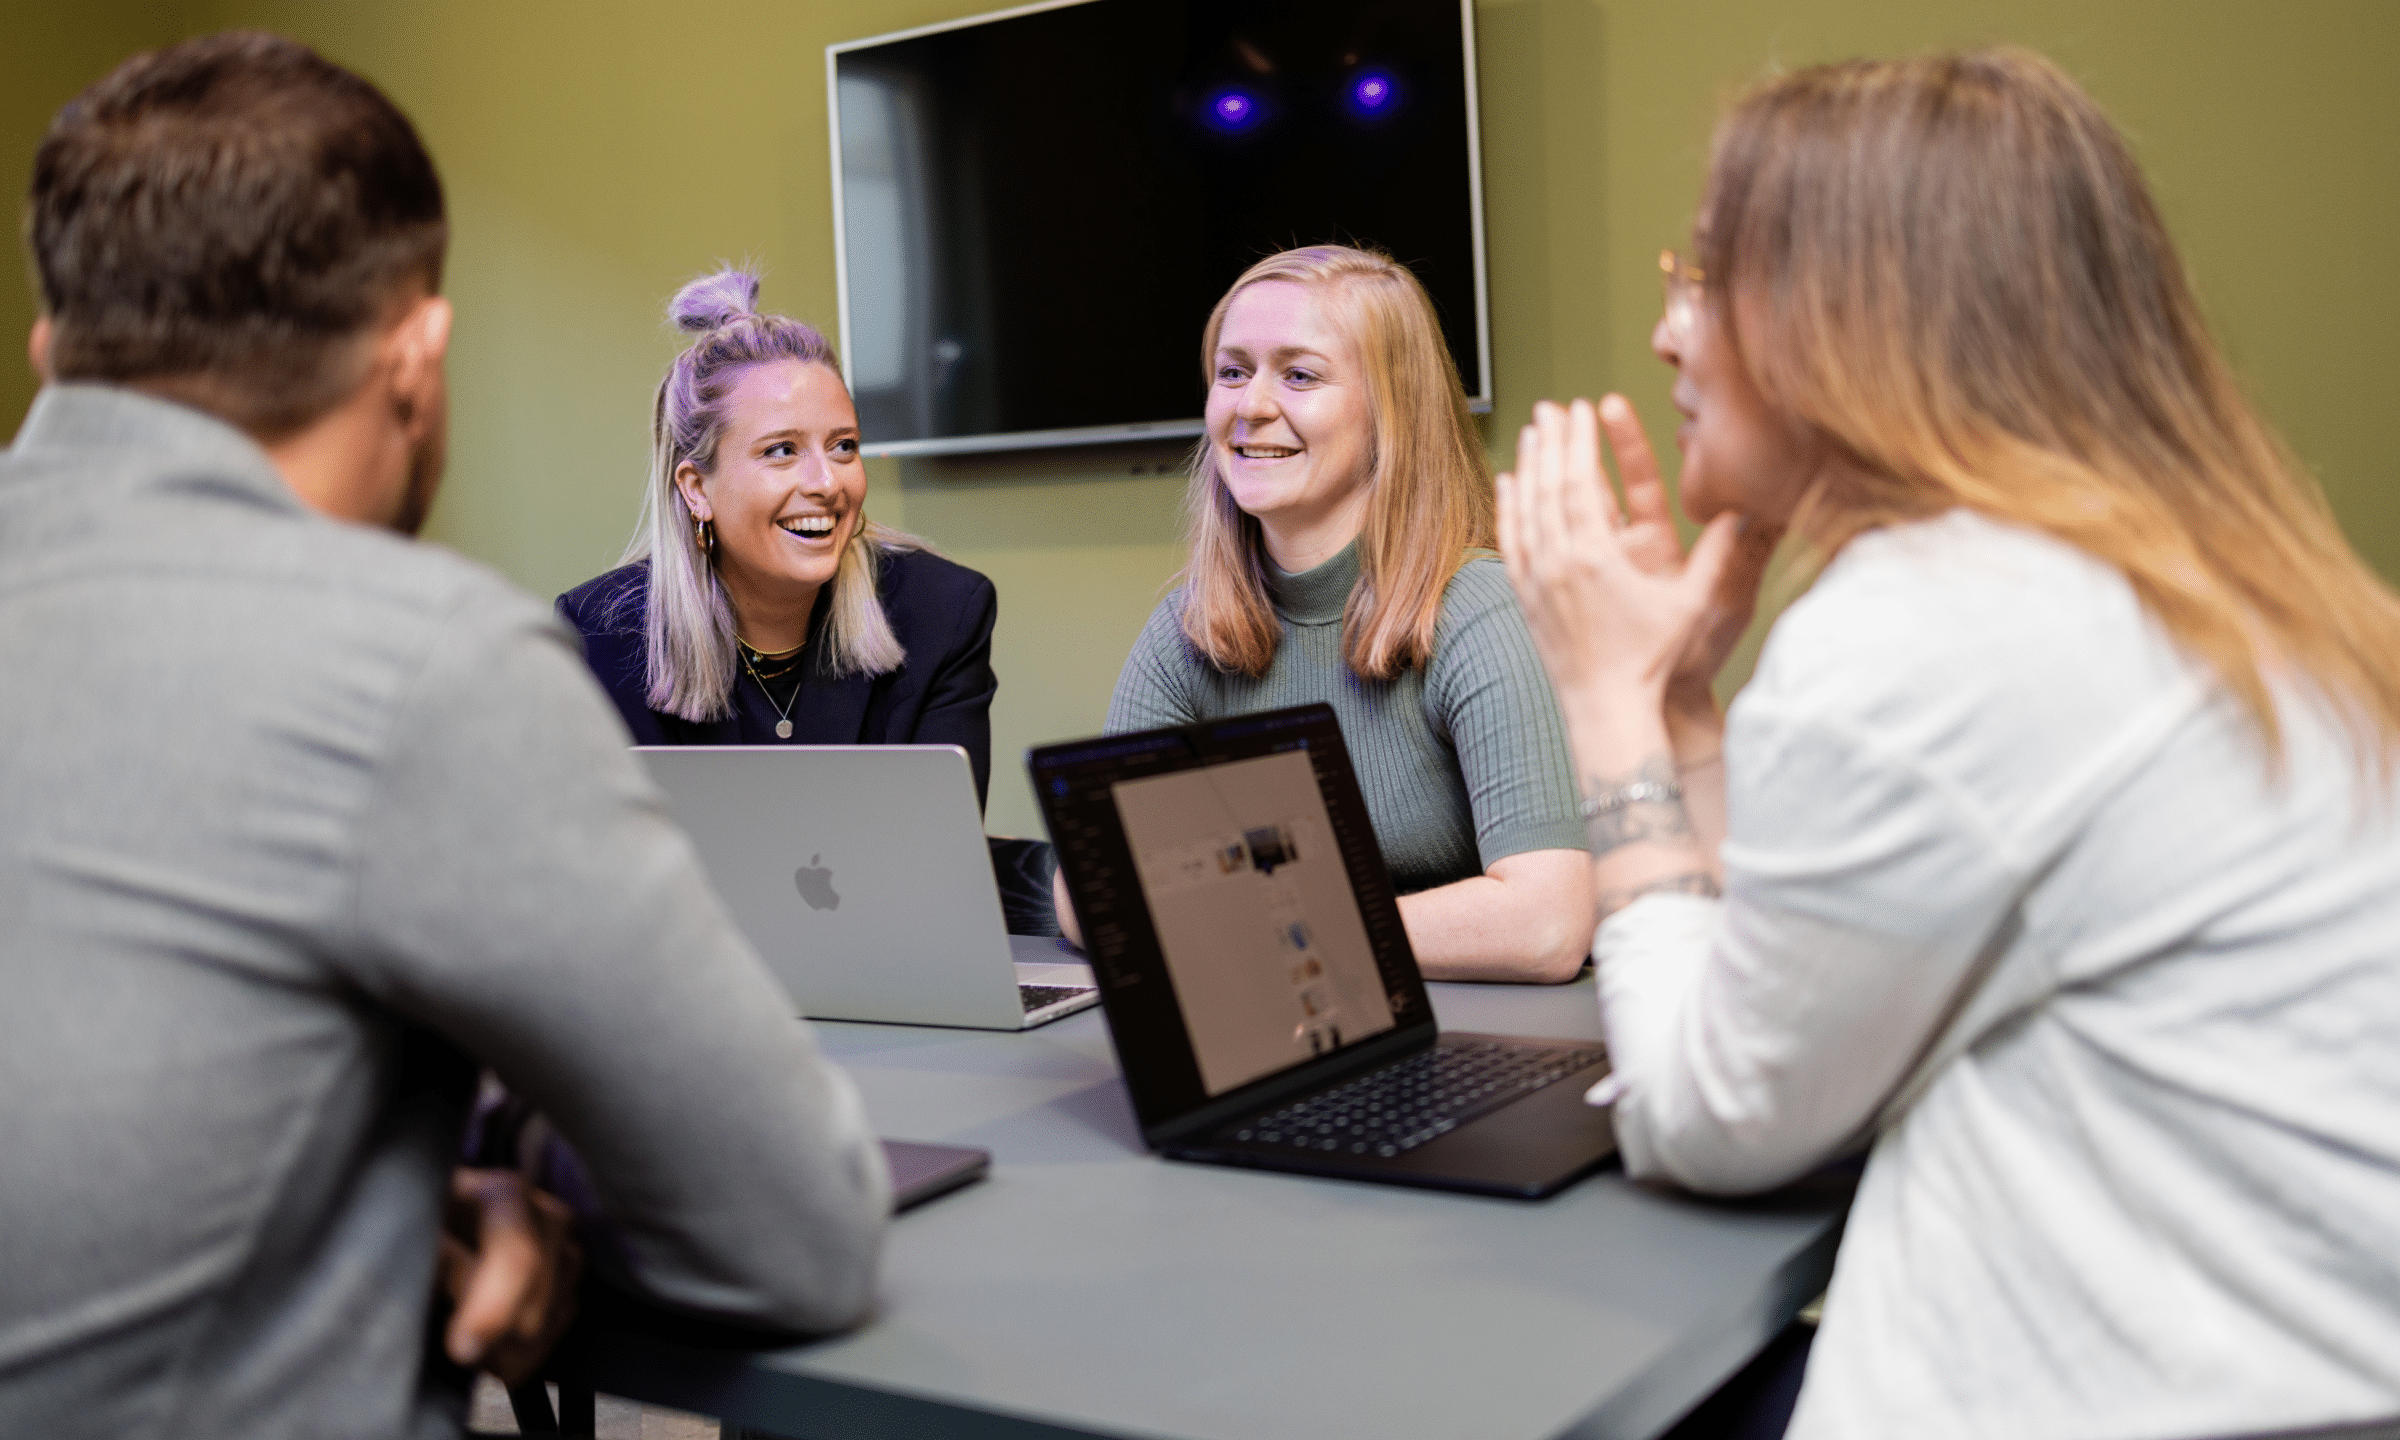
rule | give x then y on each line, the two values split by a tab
694	486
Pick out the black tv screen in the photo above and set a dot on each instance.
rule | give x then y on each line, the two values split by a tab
1036	210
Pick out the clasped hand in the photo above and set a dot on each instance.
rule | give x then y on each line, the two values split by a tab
1618	611
509	1263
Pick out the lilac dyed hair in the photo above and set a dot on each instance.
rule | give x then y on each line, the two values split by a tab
722	309
689	626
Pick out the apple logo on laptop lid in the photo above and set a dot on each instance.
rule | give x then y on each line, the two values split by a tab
814	881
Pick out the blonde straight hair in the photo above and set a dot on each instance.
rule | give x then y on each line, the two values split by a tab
1429	485
1951	270
688	627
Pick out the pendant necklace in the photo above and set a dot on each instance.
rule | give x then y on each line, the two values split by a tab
783	724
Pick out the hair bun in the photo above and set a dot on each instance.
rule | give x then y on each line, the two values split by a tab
715	300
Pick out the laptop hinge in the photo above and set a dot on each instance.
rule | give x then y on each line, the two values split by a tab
1300	1079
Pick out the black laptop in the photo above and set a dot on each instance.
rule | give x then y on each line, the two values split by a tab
1259	986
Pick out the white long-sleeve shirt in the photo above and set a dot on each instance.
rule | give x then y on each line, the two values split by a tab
2012	893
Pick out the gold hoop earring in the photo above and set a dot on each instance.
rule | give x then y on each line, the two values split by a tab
704	538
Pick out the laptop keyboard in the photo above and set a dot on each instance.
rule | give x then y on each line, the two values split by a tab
1424	1097
1037	996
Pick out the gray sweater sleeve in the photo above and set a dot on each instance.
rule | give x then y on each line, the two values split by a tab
1154	690
1486	690
582	953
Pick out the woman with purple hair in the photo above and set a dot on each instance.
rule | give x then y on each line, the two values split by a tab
757	604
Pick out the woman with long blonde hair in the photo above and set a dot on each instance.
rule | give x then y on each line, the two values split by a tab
1340	520
2063	863
757	604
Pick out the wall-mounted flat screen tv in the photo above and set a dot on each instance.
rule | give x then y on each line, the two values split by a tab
1035	210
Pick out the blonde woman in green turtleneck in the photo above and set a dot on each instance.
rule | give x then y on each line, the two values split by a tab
1341	551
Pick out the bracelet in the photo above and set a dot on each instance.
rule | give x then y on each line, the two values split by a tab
1640	792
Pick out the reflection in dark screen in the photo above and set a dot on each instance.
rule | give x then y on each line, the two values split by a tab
1039	212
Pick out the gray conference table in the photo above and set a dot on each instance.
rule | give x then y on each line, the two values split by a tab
1089	1288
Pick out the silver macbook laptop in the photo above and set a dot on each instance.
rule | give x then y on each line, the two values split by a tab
861	874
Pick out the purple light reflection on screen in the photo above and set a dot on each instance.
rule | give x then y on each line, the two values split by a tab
1232	110
1373	93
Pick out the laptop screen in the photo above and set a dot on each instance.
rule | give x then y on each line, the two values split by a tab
1234	902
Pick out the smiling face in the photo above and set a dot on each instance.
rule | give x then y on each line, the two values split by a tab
786	494
1740	454
1289	421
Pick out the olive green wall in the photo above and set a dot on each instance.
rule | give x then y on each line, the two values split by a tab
47	53
598	153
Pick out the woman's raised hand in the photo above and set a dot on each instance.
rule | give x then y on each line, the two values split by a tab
1616	608
1653	543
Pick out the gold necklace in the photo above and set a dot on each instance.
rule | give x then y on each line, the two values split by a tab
769	654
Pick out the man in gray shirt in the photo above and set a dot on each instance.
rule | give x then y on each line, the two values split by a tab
300	821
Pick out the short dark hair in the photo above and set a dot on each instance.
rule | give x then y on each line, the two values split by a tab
229	216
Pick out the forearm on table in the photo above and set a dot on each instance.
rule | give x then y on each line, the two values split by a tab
1529	918
1754	1045
737	1164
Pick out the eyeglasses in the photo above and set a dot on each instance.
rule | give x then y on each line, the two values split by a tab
1684	296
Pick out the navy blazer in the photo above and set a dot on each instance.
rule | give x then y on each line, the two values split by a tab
941	694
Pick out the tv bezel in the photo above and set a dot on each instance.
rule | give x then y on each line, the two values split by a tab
1005	440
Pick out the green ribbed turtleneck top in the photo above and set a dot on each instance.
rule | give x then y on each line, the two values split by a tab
1463	760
